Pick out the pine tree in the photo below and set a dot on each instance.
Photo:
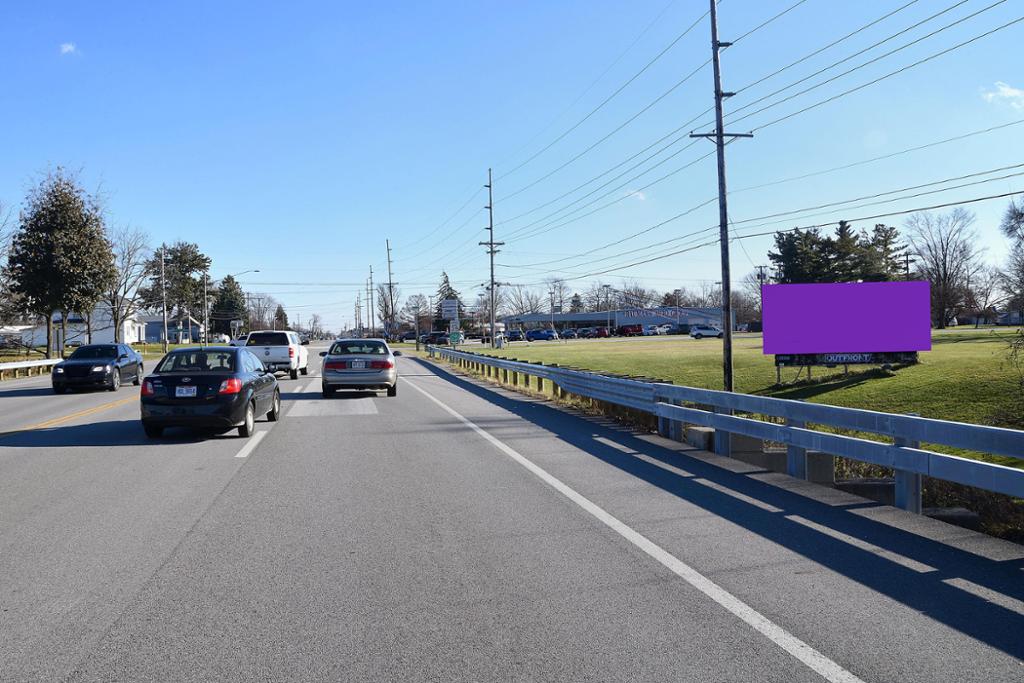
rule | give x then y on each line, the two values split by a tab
229	305
446	291
280	318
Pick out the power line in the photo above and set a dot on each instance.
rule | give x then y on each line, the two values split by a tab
857	54
606	100
817	52
889	75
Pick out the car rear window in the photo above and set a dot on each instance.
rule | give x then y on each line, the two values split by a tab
197	360
358	347
267	339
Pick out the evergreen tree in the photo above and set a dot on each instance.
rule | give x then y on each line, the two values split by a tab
60	258
446	291
182	268
229	305
576	303
280	318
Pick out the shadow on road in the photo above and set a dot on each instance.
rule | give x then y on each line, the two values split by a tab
109	433
925	592
27	393
342	395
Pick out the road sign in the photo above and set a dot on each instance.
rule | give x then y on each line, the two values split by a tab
450	309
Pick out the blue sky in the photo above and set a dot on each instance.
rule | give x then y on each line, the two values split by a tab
297	137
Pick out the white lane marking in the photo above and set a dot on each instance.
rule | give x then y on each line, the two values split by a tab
333	407
803	652
251	444
995	597
901	560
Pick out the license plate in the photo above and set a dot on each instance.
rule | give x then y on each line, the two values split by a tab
358	365
185	392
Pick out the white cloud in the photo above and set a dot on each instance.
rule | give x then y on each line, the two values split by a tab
1005	93
67	48
639	195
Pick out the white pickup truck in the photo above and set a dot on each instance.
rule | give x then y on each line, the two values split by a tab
279	350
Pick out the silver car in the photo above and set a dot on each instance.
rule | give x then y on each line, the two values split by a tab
366	364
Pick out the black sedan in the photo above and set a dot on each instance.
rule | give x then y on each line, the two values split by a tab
216	388
100	366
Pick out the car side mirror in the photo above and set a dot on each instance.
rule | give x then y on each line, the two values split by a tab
396	353
323	354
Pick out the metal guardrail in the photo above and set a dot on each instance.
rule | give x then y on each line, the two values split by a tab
15	366
715	409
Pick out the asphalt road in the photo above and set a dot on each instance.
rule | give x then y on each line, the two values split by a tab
456	532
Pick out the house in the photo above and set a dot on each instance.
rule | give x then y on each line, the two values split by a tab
78	329
191	329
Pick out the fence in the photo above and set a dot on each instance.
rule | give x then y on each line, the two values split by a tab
675	406
27	365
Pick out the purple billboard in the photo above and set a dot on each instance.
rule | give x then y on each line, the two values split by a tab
846	317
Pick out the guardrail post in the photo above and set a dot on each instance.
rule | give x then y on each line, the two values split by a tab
908	484
796	457
723	442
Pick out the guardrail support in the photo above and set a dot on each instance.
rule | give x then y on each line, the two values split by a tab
796	457
723	442
908	484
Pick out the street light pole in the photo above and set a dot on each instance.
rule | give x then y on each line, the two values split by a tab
607	307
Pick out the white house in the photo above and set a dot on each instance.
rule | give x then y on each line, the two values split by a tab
133	329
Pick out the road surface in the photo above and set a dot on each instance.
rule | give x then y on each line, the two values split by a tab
457	532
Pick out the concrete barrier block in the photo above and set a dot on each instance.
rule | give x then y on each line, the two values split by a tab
821	468
774	460
740	443
700	437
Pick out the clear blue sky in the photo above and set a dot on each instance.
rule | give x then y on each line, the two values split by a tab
296	137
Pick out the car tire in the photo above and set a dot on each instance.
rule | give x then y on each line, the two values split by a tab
152	431
327	391
138	375
275	408
115	380
248	426
305	370
696	336
294	374
393	389
719	335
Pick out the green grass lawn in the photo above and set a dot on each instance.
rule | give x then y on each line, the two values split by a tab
965	377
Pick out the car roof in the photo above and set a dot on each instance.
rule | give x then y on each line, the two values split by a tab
225	347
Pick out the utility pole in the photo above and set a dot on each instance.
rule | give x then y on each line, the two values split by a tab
491	245
761	278
206	309
369	303
163	287
391	292
719	136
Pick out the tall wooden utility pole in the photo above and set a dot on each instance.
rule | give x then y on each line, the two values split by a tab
491	246
369	303
391	293
719	136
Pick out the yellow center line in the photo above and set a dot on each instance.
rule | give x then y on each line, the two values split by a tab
67	418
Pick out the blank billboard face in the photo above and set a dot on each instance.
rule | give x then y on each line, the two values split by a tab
847	317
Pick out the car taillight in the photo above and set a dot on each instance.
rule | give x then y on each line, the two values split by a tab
335	365
291	352
230	386
147	389
382	365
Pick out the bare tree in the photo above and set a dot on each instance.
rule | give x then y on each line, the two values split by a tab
316	328
1012	224
131	258
983	293
417	310
707	295
750	285
947	256
261	311
386	298
635	295
562	292
523	300
1012	280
